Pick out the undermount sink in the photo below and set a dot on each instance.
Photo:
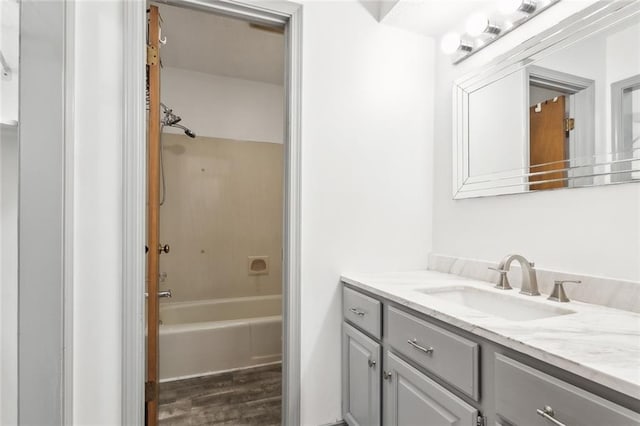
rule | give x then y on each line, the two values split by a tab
499	305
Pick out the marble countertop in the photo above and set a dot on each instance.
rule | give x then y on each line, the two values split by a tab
596	342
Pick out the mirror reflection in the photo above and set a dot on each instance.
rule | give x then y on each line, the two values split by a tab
569	118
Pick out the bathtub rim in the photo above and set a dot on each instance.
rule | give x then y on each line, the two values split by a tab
207	325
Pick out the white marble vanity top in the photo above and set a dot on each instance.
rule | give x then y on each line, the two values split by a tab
599	343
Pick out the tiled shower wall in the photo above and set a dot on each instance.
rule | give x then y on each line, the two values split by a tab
223	204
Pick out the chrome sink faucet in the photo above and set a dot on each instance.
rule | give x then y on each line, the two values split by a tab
529	281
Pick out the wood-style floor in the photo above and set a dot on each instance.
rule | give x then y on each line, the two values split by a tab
243	397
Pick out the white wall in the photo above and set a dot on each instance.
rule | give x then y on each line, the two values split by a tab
8	274
224	107
98	129
367	166
367	116
590	231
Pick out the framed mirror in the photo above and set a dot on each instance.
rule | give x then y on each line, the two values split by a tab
560	111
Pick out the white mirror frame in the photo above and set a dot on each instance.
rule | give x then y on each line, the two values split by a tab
581	25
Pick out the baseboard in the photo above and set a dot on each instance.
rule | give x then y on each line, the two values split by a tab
213	373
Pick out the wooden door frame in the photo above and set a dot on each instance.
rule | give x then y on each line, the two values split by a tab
134	184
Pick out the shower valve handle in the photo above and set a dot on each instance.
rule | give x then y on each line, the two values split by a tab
163	248
164	293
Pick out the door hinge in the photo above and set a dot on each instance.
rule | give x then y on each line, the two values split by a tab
152	55
481	420
569	124
149	391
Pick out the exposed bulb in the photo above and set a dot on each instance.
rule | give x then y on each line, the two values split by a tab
450	43
476	24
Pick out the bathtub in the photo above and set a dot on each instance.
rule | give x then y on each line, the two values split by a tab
204	337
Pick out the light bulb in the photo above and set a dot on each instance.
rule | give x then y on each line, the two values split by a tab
450	43
476	24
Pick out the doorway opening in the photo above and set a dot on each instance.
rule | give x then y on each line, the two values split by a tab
561	129
218	185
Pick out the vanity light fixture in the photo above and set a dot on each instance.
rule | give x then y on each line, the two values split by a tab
479	24
452	43
482	29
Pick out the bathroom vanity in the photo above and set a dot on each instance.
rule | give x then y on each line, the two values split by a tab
439	349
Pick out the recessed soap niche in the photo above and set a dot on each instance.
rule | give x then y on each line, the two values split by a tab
258	265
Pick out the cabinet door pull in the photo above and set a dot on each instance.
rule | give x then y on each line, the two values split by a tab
415	344
372	363
386	376
548	414
357	311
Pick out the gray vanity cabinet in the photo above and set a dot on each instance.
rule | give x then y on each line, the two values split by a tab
411	398
527	396
433	374
361	378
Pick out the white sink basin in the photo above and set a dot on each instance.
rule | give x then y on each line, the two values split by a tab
496	304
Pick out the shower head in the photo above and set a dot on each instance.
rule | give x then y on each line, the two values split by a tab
187	131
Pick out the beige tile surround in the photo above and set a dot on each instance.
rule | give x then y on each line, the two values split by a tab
223	204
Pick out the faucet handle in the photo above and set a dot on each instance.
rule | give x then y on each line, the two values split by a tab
558	293
503	282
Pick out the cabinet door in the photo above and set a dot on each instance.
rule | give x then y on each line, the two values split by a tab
411	398
526	396
360	378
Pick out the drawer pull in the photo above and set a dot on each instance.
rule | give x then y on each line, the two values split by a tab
548	414
372	363
357	311
415	344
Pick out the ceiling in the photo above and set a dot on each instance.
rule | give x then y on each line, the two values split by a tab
434	17
213	44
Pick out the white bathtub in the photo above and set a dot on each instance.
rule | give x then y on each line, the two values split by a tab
199	338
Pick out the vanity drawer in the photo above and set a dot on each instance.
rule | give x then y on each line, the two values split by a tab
362	311
447	355
523	392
